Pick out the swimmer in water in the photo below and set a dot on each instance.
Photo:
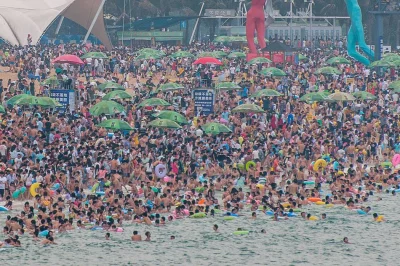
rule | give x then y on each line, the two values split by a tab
346	240
254	216
215	228
263	231
108	236
323	216
49	240
148	236
172	237
136	236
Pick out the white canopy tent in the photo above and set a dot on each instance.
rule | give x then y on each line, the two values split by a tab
18	18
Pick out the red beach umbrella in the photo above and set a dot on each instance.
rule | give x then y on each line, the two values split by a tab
69	59
207	61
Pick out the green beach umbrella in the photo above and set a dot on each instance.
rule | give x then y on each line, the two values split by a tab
237	55
272	71
98	55
247	108
171	86
205	54
27	100
106	107
266	93
390	58
115	124
338	60
259	60
148	56
2	109
219	54
15	98
118	94
164	123
395	85
328	71
150	51
52	81
215	128
364	95
341	97
154	102
181	54
303	57
171	115
237	39
227	86
47	102
110	85
314	97
382	63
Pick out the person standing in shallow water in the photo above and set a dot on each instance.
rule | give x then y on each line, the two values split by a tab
136	236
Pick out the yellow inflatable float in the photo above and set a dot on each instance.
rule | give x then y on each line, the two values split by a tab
33	188
319	164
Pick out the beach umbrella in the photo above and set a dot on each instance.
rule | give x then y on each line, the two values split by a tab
395	85
227	86
181	54
314	97
148	56
205	54
237	55
110	85
259	60
303	57
118	94
215	128
151	51
272	71
164	123
46	102
207	61
15	98
248	108
154	102
341	97
382	63
219	54
171	86
69	59
171	115
238	39
106	107
390	58
338	60
51	81
98	55
396	63
364	95
115	124
266	93
27	100
2	109
328	71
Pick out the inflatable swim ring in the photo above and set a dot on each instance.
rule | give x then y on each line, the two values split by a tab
241	232
309	182
361	212
198	215
100	193
250	163
95	186
160	170
3	209
229	218
313	218
271	213
396	160
33	188
314	199
16	193
380	218
286	204
330	205
320	203
44	233
120	230
260	186
319	164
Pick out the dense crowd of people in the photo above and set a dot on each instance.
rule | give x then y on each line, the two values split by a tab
88	178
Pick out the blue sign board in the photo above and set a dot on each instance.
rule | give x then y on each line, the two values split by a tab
64	97
204	101
380	47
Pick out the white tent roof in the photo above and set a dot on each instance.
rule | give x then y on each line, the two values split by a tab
18	18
